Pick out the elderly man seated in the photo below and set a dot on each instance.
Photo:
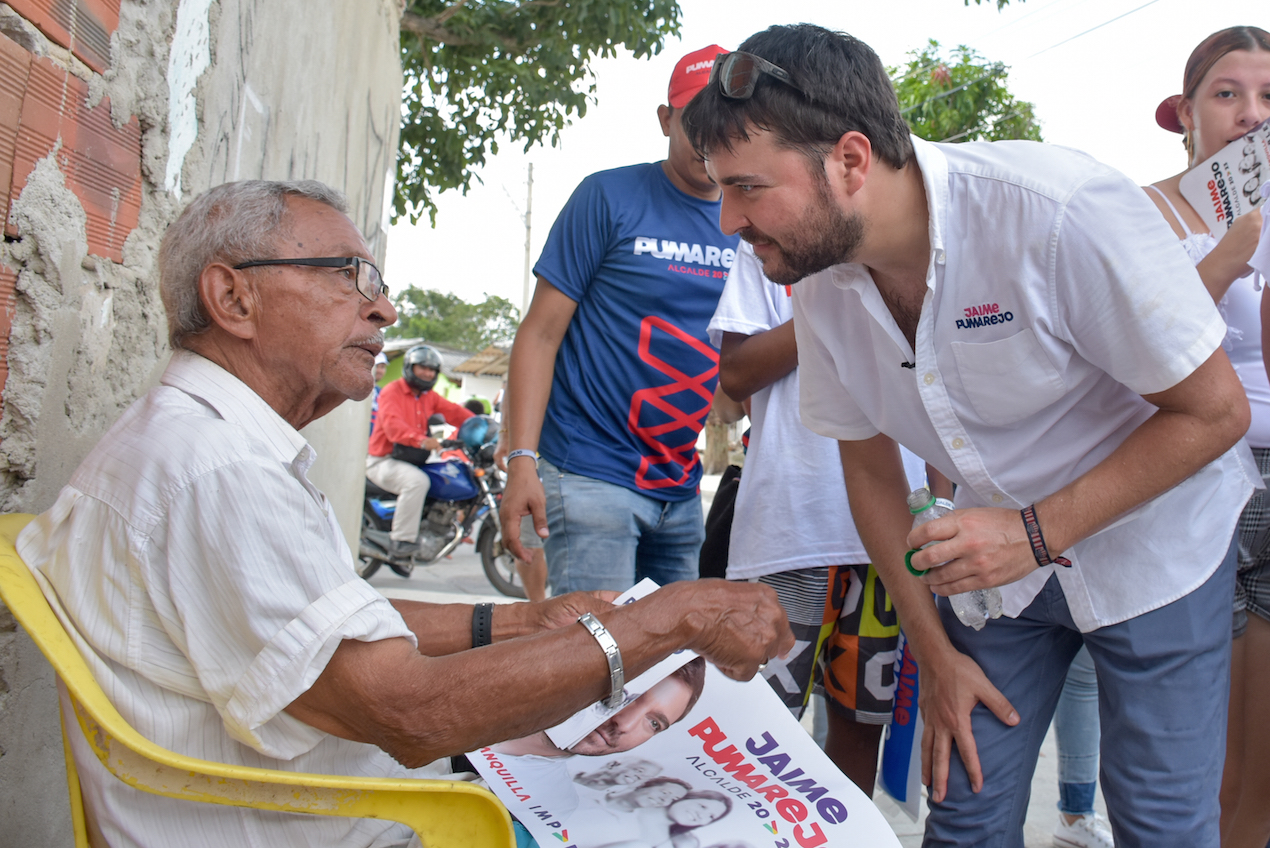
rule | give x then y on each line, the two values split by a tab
215	594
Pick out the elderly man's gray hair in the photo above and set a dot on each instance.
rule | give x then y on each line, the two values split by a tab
231	223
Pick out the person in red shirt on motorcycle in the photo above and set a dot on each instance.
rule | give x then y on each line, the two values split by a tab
401	434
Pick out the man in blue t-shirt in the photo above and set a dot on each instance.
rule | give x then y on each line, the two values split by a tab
612	372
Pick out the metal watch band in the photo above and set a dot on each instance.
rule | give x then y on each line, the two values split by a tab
617	677
521	452
482	625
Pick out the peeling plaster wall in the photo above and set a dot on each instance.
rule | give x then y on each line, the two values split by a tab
249	89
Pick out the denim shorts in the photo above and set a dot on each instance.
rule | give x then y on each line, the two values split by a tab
605	536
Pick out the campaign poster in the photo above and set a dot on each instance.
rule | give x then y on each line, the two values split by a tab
573	729
696	761
901	772
1228	184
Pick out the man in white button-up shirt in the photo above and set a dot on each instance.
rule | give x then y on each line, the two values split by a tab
1016	316
212	593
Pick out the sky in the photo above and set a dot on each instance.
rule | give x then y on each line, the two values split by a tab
1094	69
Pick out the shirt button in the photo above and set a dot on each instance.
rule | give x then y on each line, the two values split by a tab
997	499
958	444
939	256
928	378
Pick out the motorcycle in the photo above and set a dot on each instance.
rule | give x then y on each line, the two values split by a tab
465	489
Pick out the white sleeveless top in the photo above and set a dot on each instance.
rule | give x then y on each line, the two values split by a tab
1241	310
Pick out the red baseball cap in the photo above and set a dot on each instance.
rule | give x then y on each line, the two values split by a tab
691	74
1166	114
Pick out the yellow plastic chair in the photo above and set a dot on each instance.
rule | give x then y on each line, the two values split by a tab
445	814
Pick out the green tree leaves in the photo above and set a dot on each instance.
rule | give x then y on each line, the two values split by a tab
451	321
960	97
477	71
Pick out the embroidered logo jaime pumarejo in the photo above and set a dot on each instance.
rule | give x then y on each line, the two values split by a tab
983	315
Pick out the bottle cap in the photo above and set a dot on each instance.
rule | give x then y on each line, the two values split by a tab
908	563
920	500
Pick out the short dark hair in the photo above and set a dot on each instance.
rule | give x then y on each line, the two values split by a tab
846	89
693	675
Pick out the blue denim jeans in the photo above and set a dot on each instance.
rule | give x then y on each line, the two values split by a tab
1077	732
605	536
1163	688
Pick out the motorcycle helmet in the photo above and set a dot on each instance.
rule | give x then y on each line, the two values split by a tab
477	431
420	355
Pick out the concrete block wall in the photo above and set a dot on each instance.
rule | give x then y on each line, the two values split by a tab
113	113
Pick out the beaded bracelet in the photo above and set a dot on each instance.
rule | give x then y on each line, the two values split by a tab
1039	550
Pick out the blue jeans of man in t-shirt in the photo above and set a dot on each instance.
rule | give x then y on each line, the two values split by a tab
605	536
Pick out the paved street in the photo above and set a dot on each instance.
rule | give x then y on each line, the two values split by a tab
460	579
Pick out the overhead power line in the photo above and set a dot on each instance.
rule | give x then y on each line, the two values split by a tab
1091	29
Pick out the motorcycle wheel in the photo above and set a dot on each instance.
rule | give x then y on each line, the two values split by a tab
367	566
499	564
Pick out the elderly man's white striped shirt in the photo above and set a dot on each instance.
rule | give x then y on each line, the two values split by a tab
208	584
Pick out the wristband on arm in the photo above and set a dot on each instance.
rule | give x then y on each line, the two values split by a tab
482	625
521	452
1039	550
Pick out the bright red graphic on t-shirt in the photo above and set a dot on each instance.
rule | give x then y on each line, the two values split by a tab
682	455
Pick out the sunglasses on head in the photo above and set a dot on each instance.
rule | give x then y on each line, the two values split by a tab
738	74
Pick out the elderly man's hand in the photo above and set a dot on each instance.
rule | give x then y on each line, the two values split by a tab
736	626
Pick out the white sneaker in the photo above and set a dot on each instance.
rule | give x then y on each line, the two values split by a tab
1089	831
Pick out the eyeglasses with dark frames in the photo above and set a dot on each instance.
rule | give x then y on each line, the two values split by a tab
738	74
369	282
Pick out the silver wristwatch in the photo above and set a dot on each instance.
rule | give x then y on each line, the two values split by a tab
617	677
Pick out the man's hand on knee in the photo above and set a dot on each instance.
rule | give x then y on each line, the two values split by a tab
950	689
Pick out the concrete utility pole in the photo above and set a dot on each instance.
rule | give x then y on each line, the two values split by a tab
529	211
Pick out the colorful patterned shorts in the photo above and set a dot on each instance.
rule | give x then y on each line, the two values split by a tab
846	630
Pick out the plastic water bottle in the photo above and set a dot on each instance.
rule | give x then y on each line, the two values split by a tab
972	608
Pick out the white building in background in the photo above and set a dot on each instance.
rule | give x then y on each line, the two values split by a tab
485	374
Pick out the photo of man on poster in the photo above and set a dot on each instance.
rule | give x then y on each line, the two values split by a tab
539	759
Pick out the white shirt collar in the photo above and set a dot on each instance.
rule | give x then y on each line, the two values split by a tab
237	403
933	165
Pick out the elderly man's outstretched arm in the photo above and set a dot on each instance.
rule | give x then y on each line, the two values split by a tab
419	707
